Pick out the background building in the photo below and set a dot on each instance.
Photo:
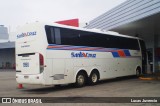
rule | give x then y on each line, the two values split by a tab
135	18
7	50
3	33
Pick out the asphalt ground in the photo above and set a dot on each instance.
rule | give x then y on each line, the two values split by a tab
118	87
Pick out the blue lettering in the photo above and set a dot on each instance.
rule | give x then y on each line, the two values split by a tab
26	34
83	54
72	54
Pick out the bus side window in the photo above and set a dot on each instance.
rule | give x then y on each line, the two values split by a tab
57	35
50	34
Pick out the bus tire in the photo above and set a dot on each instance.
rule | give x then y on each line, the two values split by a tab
93	78
80	80
138	72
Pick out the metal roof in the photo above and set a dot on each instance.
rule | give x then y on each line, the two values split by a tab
127	12
7	45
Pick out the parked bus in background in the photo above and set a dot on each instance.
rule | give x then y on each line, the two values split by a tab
53	54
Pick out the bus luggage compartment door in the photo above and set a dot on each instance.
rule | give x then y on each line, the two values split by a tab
58	69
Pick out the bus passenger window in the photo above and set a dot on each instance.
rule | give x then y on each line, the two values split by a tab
50	34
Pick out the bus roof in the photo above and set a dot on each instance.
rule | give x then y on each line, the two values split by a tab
84	29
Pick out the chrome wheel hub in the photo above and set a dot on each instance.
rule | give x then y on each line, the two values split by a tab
81	79
94	78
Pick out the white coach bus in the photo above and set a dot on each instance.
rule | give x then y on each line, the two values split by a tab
53	54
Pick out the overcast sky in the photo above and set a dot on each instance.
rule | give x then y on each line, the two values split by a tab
18	12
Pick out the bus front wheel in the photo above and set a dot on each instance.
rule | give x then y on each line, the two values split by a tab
138	72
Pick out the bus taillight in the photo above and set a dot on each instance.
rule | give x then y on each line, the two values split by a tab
41	62
41	59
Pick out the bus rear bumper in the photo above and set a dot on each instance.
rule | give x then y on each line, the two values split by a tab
29	79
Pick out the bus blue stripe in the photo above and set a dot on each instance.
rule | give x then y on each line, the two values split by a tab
115	54
127	53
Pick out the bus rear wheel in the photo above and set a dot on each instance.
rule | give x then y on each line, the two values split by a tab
93	79
80	80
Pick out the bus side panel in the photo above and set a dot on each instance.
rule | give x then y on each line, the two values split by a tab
104	66
124	67
127	65
62	71
69	71
109	66
48	72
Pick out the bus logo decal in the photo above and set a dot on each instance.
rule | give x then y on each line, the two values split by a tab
83	54
26	34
